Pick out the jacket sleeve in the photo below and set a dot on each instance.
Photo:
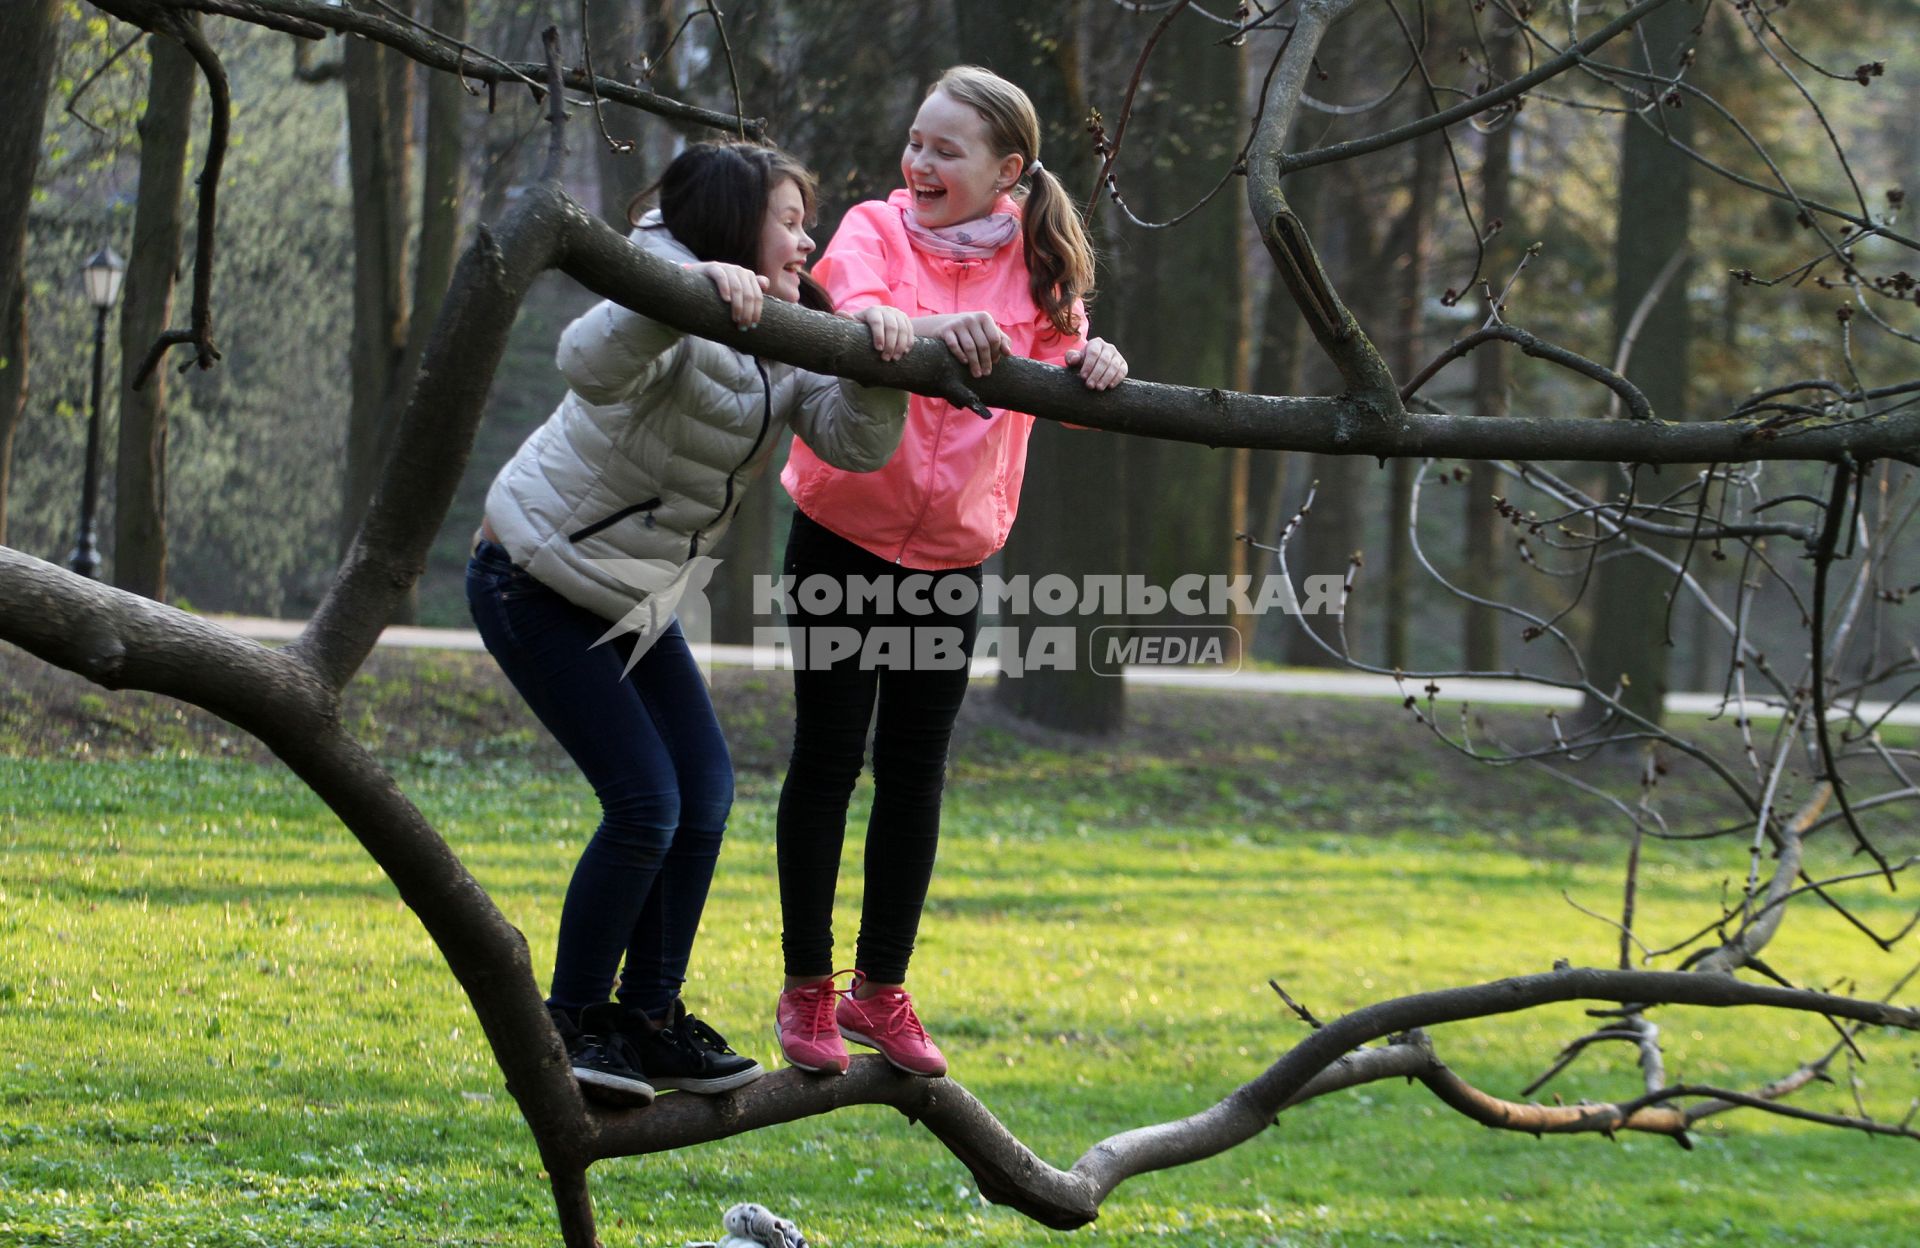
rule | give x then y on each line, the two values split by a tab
855	264
1050	346
849	425
610	351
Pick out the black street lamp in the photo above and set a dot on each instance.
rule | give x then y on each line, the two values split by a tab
102	274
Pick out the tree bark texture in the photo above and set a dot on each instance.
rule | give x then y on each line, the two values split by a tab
379	125
140	475
29	30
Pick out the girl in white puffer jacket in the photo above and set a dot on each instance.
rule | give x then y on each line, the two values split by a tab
593	531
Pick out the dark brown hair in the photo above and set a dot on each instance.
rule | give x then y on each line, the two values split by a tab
713	199
1059	257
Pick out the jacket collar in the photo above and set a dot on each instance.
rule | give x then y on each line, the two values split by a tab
653	236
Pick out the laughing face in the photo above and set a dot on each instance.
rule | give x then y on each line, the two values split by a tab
950	166
784	244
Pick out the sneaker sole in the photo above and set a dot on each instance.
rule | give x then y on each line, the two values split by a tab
707	1087
857	1038
613	1089
797	1064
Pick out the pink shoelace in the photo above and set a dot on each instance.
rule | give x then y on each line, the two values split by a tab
899	1015
820	1000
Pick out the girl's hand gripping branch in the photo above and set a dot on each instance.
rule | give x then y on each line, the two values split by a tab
742	289
975	338
892	330
1101	365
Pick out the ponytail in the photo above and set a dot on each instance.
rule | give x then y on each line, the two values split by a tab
1059	256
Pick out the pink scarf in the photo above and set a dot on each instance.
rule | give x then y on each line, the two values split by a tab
970	240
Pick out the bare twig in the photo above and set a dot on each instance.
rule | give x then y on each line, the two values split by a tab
1480	103
185	29
93	77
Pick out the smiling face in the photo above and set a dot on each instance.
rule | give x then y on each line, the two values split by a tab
784	243
950	166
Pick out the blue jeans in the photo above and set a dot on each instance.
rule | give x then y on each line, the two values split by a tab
650	745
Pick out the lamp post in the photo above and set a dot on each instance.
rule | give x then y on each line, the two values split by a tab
101	274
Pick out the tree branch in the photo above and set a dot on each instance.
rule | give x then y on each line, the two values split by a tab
1007	1172
1539	348
1493	98
184	29
1374	398
314	17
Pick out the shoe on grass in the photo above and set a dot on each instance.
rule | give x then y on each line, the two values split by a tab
804	1023
603	1062
689	1055
886	1021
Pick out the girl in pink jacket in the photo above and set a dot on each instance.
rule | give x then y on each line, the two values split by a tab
886	565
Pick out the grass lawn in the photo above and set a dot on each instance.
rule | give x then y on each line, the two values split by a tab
218	1026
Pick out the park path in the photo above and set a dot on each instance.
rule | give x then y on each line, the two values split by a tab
1324	683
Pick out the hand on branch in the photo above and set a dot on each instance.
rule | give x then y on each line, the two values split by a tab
891	328
1101	365
742	290
975	339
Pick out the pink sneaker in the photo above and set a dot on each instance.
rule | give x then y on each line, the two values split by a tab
886	1021
805	1026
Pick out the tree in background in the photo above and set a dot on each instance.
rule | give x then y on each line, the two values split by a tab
30	28
140	476
1632	635
1492	375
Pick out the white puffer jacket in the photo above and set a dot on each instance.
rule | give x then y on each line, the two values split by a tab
641	467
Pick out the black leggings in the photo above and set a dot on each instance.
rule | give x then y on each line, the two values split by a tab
834	704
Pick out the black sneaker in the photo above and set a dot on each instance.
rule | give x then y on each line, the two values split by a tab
604	1062
689	1055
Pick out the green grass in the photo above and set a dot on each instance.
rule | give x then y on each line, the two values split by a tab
218	1026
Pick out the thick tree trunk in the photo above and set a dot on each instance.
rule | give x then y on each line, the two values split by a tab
140	477
1481	524
1408	356
624	32
443	160
1629	643
14	344
378	124
1175	304
29	31
1072	510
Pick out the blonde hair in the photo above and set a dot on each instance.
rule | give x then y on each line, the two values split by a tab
1059	257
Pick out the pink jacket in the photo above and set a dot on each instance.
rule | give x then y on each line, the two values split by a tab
948	496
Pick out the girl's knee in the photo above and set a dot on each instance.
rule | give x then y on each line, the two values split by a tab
640	823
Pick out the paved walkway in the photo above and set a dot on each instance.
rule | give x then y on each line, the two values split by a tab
1299	680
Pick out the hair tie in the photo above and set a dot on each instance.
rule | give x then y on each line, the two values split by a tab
1035	166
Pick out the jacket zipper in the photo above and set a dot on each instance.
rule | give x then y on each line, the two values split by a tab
766	423
609	521
960	271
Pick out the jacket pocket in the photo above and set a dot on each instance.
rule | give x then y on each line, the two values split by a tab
607	522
